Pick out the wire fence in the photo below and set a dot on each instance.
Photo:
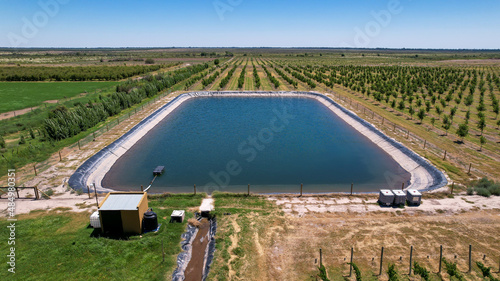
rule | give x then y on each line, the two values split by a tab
115	121
421	143
430	258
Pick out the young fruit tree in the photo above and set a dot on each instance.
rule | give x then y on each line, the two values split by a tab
463	131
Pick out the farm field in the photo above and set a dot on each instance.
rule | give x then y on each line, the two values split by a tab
441	104
59	244
20	95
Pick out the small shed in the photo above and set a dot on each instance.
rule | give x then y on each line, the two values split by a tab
177	216
413	197
122	212
399	197
386	197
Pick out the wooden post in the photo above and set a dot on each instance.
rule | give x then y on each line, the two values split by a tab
381	261
320	257
118	119
60	157
107	128
407	134
444	158
411	258
351	187
383	119
93	133
403	186
440	257
17	191
301	190
88	191
452	186
248	191
195	189
34	167
425	142
96	200
373	114
79	147
394	127
470	165
350	266
142	188
470	258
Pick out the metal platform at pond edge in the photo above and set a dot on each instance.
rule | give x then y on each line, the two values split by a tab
159	170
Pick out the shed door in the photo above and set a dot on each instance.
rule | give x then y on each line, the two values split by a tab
112	221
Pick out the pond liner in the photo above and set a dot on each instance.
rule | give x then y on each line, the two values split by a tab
78	180
185	256
210	248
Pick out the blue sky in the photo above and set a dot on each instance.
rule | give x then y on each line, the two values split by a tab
244	23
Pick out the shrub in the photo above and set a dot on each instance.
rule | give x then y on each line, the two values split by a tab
322	273
22	140
494	189
149	61
452	270
393	274
485	270
470	191
357	272
483	192
2	142
422	271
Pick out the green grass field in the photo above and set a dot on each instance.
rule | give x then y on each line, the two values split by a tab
61	246
19	95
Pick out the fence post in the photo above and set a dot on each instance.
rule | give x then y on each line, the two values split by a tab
60	157
381	260
95	192
301	190
351	187
34	167
79	147
107	128
320	257
403	186
470	258
248	191
350	268
142	188
88	191
470	165
17	191
452	186
444	158
411	257
440	257
425	142
195	189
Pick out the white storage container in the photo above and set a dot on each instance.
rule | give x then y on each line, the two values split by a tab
413	197
177	216
94	220
386	197
399	197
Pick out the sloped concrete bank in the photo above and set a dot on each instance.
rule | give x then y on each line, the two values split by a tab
424	176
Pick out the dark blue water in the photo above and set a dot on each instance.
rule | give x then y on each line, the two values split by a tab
274	144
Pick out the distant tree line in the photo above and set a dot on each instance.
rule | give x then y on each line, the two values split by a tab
74	73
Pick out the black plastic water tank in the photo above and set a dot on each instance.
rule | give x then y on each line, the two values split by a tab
150	221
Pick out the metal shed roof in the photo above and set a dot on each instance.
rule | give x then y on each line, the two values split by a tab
116	202
386	192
